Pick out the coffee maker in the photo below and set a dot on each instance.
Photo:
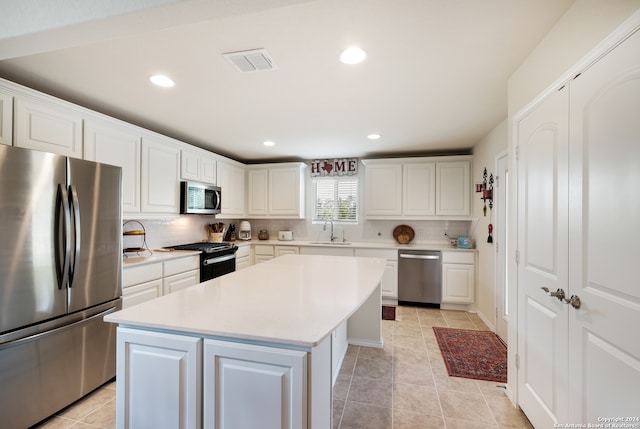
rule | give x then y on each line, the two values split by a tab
244	232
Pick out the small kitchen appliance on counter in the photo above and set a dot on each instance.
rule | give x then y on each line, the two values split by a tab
245	231
285	235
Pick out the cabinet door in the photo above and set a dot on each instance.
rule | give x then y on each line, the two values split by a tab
458	283
262	258
198	165
383	190
180	281
160	177
159	378
189	165
284	192
453	188
6	119
47	126
140	293
257	198
251	386
419	189
119	145
285	250
231	179
389	282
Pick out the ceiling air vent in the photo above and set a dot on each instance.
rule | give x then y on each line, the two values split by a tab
255	60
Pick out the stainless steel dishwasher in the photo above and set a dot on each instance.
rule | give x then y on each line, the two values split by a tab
420	277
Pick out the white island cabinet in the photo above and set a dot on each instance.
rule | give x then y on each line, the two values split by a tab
249	349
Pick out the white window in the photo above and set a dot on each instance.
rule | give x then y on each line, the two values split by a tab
336	200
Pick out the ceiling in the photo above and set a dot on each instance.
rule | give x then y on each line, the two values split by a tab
434	81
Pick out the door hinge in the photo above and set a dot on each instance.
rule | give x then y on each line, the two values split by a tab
497	245
517	257
517	152
517	361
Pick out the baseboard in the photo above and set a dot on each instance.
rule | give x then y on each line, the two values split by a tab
365	343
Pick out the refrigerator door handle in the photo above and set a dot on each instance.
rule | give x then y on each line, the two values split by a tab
75	205
64	238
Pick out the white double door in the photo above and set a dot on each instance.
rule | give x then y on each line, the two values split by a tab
578	229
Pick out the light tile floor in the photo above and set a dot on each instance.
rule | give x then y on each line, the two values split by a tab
404	385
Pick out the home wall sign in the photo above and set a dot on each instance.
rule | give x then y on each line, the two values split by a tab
334	167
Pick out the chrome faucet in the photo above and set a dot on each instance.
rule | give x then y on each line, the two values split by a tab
324	228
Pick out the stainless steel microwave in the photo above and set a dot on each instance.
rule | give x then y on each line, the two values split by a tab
200	198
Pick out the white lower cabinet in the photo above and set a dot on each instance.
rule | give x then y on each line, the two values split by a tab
458	277
159	386
142	292
145	282
180	281
325	250
285	250
243	257
253	386
262	253
389	284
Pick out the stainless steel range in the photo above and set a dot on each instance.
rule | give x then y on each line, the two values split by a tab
216	259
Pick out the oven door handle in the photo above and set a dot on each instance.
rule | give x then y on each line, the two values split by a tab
219	259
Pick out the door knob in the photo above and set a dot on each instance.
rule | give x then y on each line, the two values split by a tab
558	293
574	301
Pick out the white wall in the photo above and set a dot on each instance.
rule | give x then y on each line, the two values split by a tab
484	155
579	30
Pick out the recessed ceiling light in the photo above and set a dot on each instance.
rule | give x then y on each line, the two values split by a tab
353	55
269	143
162	80
374	136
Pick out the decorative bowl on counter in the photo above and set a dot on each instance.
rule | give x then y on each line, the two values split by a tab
403	234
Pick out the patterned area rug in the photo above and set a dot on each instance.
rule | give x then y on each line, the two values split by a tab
473	354
388	312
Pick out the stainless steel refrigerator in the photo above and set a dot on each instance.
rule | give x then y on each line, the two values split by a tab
60	273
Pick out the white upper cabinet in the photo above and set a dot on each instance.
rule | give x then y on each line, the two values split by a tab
453	194
286	191
418	188
383	189
6	118
198	165
115	143
276	190
46	125
257	185
230	178
160	166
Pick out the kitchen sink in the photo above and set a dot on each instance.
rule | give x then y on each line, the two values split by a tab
332	243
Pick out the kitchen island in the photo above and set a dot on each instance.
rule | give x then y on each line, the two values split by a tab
256	348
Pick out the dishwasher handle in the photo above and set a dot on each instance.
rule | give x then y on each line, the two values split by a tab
413	256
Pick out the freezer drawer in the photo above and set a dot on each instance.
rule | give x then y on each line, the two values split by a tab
45	372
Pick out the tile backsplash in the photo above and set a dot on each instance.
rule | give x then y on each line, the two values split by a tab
189	228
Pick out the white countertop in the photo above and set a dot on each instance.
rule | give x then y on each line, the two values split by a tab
158	256
293	299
